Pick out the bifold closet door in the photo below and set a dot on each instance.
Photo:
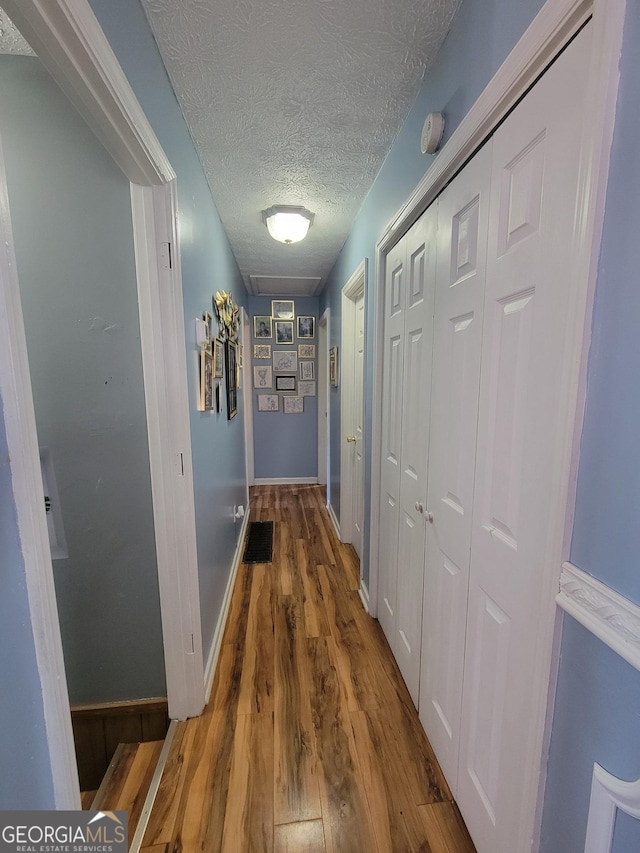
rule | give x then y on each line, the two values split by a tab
409	293
522	429
463	216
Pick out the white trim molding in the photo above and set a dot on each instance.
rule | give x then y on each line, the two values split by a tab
286	481
608	794
363	592
334	520
608	615
216	643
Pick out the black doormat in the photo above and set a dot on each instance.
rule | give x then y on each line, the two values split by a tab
259	543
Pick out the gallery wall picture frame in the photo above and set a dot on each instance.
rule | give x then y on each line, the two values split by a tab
285	361
286	383
306	350
205	403
306	326
208	319
262	327
217	398
306	388
262	376
218	358
333	367
307	370
282	309
268	403
293	405
262	350
231	364
284	331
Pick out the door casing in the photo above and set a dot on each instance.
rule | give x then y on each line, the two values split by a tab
71	45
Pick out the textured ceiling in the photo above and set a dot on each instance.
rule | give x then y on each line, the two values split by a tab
11	40
295	102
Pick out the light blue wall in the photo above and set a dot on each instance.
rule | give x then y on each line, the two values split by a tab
481	37
285	445
207	265
597	715
71	217
25	777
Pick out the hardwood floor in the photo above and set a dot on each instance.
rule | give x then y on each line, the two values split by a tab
310	741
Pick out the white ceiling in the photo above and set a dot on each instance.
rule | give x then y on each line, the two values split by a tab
291	102
295	102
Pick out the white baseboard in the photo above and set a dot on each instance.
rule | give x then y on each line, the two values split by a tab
335	521
214	651
363	592
285	481
610	616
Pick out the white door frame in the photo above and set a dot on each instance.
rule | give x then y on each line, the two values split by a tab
323	399
245	325
70	43
552	28
352	290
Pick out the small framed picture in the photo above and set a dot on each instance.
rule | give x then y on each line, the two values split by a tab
306	388
262	327
268	403
307	370
284	331
306	327
285	383
208	320
306	350
333	366
218	358
262	376
282	309
293	405
262	350
205	404
217	397
285	361
232	378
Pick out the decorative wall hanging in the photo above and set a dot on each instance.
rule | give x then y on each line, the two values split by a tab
282	309
293	405
284	332
268	403
262	326
285	361
205	403
306	327
232	378
262	350
333	366
228	314
218	358
285	383
262	376
306	350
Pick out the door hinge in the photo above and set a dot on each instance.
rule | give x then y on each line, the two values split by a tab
165	256
191	645
180	464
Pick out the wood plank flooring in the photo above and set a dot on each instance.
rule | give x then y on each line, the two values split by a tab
310	741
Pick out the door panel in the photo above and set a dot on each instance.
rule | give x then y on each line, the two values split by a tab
463	217
416	416
517	494
358	469
393	352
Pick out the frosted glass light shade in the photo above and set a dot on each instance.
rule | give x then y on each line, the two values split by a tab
287	224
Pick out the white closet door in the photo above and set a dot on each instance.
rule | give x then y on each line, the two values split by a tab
521	426
415	419
392	372
463	216
358	464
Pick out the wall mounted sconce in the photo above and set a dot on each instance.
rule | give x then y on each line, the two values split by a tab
286	223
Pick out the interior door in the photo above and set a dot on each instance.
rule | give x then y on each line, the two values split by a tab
415	417
358	426
392	372
463	216
408	334
517	496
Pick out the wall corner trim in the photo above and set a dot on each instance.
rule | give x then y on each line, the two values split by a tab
605	613
363	592
216	644
608	794
334	521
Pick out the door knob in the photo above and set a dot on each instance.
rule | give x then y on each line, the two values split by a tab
419	507
351	439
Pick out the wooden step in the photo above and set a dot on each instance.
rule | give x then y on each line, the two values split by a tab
127	780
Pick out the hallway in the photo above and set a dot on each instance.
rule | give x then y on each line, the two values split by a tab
310	741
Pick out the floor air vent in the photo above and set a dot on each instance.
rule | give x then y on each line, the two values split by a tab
259	544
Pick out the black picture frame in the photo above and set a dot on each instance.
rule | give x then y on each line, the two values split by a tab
285	383
231	374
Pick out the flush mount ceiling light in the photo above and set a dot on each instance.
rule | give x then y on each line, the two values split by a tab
286	223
